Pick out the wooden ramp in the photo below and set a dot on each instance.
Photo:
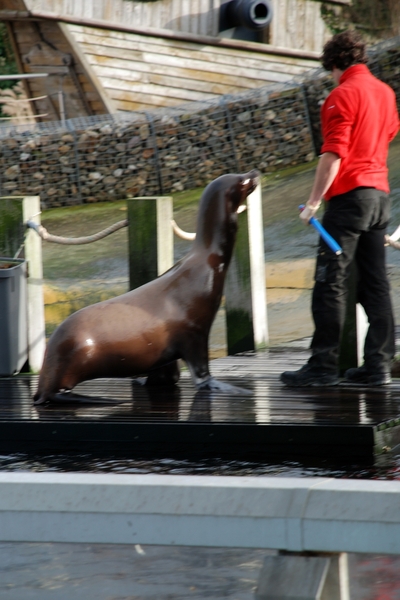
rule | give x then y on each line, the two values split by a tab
339	422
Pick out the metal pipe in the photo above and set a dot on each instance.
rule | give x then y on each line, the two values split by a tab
23	76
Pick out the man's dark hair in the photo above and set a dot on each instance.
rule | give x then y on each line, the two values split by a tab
343	50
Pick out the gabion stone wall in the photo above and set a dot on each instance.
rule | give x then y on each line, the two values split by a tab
146	154
174	149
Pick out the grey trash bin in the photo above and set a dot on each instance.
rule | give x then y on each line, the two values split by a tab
13	316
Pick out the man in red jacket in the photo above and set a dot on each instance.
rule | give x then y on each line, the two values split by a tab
359	120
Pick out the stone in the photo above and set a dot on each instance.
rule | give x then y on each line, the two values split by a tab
134	141
10	185
106	130
95	176
144	131
109	180
12	172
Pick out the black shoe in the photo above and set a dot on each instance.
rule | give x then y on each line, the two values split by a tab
362	376
309	377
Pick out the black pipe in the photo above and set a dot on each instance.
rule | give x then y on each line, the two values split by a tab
252	14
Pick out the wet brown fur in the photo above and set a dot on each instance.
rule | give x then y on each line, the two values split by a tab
146	330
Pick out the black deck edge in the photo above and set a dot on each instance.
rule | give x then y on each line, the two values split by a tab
233	440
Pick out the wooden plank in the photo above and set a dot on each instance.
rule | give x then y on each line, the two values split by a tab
141	43
292	23
185	94
249	68
178	93
97	106
142	72
303	32
256	47
142	102
125	53
169	62
205	20
107	105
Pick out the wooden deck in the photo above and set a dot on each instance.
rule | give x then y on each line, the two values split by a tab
338	422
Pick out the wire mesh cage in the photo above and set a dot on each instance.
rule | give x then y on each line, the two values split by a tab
384	62
108	157
96	159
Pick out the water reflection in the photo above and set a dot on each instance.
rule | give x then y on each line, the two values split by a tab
268	403
92	462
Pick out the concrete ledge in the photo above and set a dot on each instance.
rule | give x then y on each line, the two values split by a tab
294	514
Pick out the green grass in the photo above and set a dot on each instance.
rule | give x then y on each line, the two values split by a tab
283	191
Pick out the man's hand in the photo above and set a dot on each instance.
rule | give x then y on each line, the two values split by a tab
309	211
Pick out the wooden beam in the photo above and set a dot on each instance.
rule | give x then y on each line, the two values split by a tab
87	70
163	33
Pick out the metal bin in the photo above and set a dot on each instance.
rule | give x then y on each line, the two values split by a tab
13	316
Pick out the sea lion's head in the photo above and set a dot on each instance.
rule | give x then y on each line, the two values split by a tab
220	203
239	187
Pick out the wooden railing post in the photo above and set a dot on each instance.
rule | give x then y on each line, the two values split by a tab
245	290
151	238
33	255
309	576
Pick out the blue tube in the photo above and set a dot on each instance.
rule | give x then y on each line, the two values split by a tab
328	239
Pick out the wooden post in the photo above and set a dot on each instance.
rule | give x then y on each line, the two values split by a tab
151	238
305	576
33	255
15	211
245	293
257	268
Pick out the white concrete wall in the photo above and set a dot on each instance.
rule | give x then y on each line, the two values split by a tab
284	513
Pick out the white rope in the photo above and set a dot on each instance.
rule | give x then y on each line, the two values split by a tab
392	240
184	235
45	235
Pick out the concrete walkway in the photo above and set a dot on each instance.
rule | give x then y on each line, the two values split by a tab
110	572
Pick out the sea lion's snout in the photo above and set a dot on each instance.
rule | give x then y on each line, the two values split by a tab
249	182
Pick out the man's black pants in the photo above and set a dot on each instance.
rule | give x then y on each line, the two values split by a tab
357	220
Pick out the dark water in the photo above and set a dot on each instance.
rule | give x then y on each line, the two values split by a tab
384	469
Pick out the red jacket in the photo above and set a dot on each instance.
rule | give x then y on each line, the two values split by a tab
359	119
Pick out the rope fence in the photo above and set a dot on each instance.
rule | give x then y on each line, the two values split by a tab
57	239
391	240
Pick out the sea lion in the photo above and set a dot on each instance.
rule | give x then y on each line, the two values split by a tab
145	331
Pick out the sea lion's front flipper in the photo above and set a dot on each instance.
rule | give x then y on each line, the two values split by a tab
196	358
